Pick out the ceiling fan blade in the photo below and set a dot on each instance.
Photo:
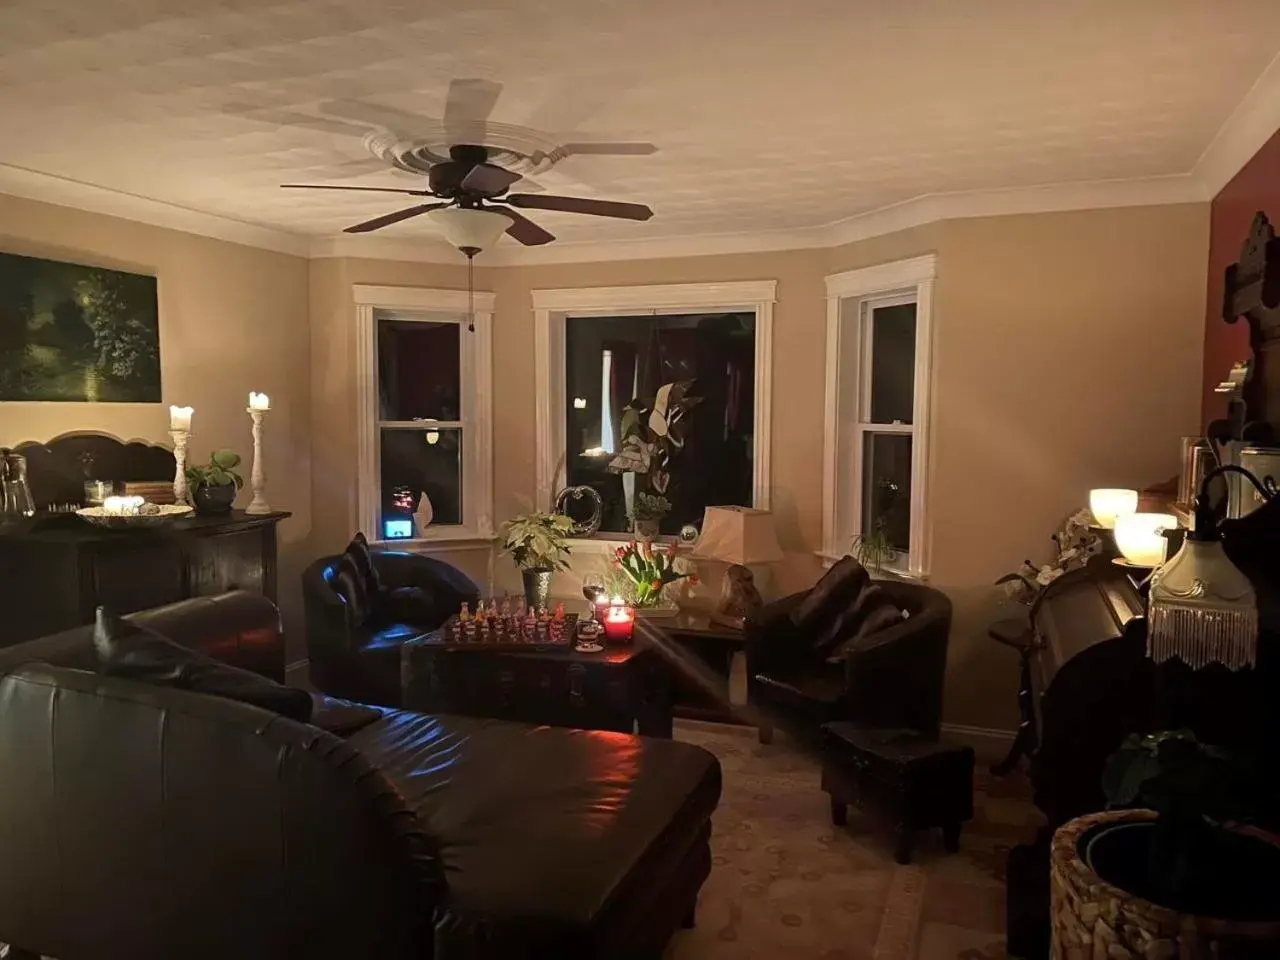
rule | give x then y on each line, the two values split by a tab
389	218
333	186
488	179
598	208
525	230
467	107
609	149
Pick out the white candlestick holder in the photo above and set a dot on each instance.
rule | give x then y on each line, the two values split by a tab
180	438
258	477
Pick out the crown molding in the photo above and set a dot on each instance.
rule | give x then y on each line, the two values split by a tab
64	192
932	208
1253	122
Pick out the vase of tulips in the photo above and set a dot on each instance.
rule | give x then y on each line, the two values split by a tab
643	571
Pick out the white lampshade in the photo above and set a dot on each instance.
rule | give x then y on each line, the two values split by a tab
738	535
470	228
1139	537
1108	504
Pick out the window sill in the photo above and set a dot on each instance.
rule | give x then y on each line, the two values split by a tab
895	571
608	543
463	540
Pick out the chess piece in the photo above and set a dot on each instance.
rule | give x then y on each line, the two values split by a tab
560	612
465	613
457	630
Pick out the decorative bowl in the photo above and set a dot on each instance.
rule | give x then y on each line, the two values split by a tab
164	513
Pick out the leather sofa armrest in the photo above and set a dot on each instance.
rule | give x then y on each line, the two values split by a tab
771	638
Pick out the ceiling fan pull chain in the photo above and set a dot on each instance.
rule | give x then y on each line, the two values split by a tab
471	294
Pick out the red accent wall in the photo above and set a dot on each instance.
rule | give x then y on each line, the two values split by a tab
1256	187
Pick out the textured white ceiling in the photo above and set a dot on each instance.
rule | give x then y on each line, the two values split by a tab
766	115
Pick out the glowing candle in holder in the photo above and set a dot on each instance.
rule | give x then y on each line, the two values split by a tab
1140	537
619	622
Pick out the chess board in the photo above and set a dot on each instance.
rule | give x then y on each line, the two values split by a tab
512	637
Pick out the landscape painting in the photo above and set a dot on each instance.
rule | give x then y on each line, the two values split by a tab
76	333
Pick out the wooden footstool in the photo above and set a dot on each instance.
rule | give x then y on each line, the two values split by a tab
915	783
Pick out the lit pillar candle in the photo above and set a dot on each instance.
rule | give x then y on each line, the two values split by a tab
180	418
1140	537
259	401
619	622
122	506
1107	505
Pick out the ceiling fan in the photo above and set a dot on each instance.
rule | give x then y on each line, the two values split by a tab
469	181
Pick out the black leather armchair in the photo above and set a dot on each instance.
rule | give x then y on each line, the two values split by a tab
362	662
892	679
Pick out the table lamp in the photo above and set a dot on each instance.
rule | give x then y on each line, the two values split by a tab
738	536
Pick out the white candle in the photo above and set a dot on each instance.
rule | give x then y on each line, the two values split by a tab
180	418
259	401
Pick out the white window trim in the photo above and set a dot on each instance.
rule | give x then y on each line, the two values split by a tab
477	353
552	307
917	277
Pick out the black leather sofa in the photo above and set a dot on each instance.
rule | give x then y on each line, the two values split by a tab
151	822
892	679
362	662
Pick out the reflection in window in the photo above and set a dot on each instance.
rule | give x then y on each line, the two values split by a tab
620	359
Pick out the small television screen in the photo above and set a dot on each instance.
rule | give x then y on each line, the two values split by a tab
397	529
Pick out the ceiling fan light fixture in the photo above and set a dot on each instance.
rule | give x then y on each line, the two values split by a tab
469	228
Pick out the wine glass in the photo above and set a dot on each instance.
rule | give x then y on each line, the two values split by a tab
593	588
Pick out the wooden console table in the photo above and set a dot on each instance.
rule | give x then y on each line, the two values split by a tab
53	576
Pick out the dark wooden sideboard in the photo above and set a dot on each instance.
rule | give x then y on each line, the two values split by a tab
55	574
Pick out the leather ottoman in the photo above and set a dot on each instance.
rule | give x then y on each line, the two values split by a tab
555	842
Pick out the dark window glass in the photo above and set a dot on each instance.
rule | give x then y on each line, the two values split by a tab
418	466
419	373
893	363
886	489
609	361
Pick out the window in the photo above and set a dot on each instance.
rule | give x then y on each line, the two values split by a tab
597	349
878	376
611	362
424	415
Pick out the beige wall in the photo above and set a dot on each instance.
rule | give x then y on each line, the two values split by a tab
1067	349
232	319
1066	356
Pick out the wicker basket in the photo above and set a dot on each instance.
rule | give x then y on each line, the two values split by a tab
1095	920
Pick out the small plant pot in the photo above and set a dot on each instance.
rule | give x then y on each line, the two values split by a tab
212	500
537	586
645	529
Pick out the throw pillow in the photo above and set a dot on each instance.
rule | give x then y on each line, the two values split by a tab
350	584
881	618
359	551
133	652
838	590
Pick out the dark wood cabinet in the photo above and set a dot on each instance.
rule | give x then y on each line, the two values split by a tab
54	575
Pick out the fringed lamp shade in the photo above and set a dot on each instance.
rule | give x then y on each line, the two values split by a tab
1202	608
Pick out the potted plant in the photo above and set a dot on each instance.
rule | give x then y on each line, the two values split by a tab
647	513
651	435
873	550
536	542
642	571
1171	862
214	485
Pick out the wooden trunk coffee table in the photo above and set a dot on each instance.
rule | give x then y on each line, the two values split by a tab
624	688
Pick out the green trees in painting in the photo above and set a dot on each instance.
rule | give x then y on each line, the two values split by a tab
69	332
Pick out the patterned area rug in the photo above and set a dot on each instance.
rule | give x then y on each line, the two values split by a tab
785	882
